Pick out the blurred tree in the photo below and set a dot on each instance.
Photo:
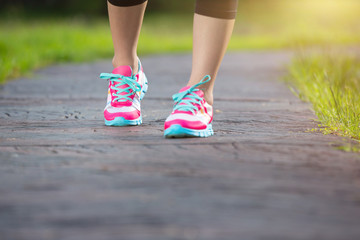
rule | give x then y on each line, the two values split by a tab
55	6
98	7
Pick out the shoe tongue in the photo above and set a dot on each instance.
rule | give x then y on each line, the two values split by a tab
123	70
127	72
200	93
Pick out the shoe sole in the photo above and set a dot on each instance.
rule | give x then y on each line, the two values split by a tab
120	121
177	131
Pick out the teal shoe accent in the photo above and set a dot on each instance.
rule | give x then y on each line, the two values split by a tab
120	122
177	131
193	100
119	80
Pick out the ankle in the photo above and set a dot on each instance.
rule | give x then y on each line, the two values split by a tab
209	98
207	88
132	62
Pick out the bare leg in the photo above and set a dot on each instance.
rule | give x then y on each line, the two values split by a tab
210	39
125	25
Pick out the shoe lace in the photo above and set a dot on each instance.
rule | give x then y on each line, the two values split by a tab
192	99
133	86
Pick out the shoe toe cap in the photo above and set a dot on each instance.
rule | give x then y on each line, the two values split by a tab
110	114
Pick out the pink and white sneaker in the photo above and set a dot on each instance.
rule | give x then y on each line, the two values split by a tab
191	115
125	92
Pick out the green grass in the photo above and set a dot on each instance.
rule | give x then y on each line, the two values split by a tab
331	82
27	45
30	43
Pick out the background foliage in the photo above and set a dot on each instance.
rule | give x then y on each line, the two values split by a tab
94	7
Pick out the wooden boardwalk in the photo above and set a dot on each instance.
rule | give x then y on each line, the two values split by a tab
263	176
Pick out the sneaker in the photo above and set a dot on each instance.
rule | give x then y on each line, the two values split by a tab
126	89
191	115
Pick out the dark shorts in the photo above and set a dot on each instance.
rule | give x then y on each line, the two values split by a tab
225	9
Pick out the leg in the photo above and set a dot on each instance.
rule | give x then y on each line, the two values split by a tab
125	17
127	82
213	24
193	112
